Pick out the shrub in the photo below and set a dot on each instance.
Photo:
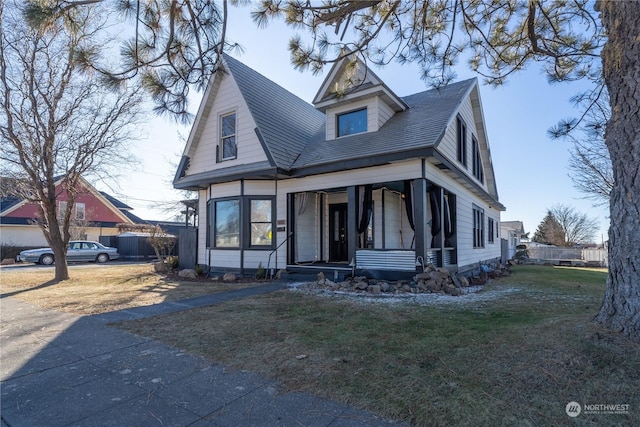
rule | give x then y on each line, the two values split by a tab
172	262
201	269
9	250
261	274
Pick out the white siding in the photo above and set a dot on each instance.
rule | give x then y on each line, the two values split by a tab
259	188
467	254
224	259
449	144
227	189
384	113
410	169
398	232
203	152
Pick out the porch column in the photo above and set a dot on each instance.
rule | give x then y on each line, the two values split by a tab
291	228
352	221
420	217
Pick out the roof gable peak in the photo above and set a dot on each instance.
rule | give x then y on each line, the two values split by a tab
350	79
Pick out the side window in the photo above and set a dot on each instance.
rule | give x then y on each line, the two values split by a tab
462	141
228	144
478	170
261	233
241	223
478	227
227	223
490	230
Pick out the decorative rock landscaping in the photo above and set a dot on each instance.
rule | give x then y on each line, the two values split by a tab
433	280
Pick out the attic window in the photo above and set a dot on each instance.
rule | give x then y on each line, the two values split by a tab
461	130
352	122
228	147
478	171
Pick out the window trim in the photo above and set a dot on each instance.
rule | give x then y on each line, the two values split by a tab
491	226
244	212
344	113
249	223
222	138
478	170
478	227
461	138
214	225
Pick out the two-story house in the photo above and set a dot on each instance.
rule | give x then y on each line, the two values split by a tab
361	181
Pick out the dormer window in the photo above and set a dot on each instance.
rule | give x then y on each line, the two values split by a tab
351	122
228	147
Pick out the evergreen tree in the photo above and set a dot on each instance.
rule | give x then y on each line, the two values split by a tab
549	231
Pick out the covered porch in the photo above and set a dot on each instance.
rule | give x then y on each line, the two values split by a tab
379	229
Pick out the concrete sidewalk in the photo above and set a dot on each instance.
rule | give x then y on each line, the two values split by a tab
59	369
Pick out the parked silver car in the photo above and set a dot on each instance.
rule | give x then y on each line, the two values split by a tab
79	250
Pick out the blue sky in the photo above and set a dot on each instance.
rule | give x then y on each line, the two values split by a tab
530	168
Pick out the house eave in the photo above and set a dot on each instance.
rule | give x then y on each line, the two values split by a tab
259	171
444	164
361	162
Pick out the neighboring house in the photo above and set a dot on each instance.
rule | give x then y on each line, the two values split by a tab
513	232
361	179
95	214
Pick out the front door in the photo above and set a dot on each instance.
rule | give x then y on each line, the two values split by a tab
338	233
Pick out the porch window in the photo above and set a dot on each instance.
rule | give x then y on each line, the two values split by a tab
352	122
227	223
261	223
461	130
228	147
478	227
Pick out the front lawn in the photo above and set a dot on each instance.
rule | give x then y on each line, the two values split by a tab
95	289
516	358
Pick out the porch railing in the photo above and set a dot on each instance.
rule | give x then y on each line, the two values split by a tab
398	260
274	251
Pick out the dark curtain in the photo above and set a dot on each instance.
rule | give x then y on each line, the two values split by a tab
366	208
408	202
434	199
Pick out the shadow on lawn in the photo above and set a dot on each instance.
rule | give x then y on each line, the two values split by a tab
20	291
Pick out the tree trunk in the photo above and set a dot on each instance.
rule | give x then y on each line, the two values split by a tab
57	242
60	255
620	309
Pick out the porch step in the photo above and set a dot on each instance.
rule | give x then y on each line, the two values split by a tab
309	273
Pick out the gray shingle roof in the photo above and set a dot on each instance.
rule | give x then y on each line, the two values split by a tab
286	122
294	131
421	126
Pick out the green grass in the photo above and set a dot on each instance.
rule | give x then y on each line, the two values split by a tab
515	359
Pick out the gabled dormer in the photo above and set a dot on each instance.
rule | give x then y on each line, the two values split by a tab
355	100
